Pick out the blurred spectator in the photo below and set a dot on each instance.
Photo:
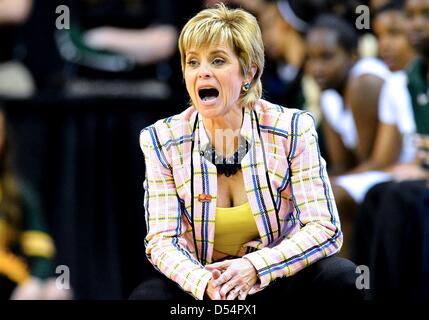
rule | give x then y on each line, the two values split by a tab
26	248
395	140
350	189
347	10
389	27
376	4
392	229
349	102
255	6
130	42
350	91
405	96
388	149
15	80
283	25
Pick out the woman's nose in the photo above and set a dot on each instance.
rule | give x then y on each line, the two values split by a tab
205	71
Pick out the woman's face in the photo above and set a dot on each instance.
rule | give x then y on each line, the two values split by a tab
394	47
327	61
213	79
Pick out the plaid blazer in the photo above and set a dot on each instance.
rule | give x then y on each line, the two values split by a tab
293	205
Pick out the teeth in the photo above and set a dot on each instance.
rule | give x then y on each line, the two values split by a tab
208	98
208	94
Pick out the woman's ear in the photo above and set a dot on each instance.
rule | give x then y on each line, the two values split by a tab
251	74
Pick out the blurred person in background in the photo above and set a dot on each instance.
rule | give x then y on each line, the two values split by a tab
403	100
282	33
396	51
15	80
129	43
26	248
283	25
376	4
349	102
392	230
389	26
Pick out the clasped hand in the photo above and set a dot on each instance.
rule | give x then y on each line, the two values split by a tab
231	279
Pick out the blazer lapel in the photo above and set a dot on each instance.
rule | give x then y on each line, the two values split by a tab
257	184
205	196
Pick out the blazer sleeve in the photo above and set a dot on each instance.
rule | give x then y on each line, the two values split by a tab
314	208
165	248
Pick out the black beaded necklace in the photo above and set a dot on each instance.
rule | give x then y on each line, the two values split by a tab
227	166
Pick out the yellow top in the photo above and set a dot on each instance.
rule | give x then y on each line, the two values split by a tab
234	226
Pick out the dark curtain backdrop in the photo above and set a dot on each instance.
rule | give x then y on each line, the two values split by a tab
83	158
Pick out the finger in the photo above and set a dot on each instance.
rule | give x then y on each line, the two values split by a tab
216	274
230	285
226	288
242	295
216	295
233	294
225	277
218	265
252	291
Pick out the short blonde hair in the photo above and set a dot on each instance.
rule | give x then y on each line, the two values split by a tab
234	27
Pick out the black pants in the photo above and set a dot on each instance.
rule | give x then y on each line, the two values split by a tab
392	238
325	279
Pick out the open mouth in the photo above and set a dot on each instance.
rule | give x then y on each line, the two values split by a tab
208	94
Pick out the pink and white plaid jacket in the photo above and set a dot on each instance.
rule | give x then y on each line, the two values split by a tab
297	221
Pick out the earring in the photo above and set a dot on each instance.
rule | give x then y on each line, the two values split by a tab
245	87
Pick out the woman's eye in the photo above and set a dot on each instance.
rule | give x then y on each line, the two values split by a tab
218	61
192	63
